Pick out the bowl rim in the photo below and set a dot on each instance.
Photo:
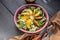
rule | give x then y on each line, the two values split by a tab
45	25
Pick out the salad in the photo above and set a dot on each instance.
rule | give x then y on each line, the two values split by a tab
31	19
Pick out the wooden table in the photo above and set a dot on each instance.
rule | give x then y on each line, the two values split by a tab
7	10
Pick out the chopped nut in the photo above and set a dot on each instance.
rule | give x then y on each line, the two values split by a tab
38	17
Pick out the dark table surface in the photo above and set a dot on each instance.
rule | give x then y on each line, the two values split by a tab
7	10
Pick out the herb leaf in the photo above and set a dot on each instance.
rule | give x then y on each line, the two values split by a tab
37	9
21	25
41	23
32	8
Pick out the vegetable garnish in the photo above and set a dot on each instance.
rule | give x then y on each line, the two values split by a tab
21	25
32	8
37	10
41	23
31	19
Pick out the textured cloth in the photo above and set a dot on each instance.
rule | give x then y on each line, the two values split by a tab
55	21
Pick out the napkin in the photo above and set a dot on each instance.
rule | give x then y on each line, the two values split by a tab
55	21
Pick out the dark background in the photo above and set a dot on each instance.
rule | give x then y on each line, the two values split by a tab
8	8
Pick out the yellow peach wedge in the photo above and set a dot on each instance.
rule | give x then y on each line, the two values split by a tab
28	23
37	14
24	17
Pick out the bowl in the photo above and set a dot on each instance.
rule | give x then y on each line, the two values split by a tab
18	11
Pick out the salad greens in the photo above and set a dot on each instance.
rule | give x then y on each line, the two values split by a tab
32	8
21	25
41	23
37	9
